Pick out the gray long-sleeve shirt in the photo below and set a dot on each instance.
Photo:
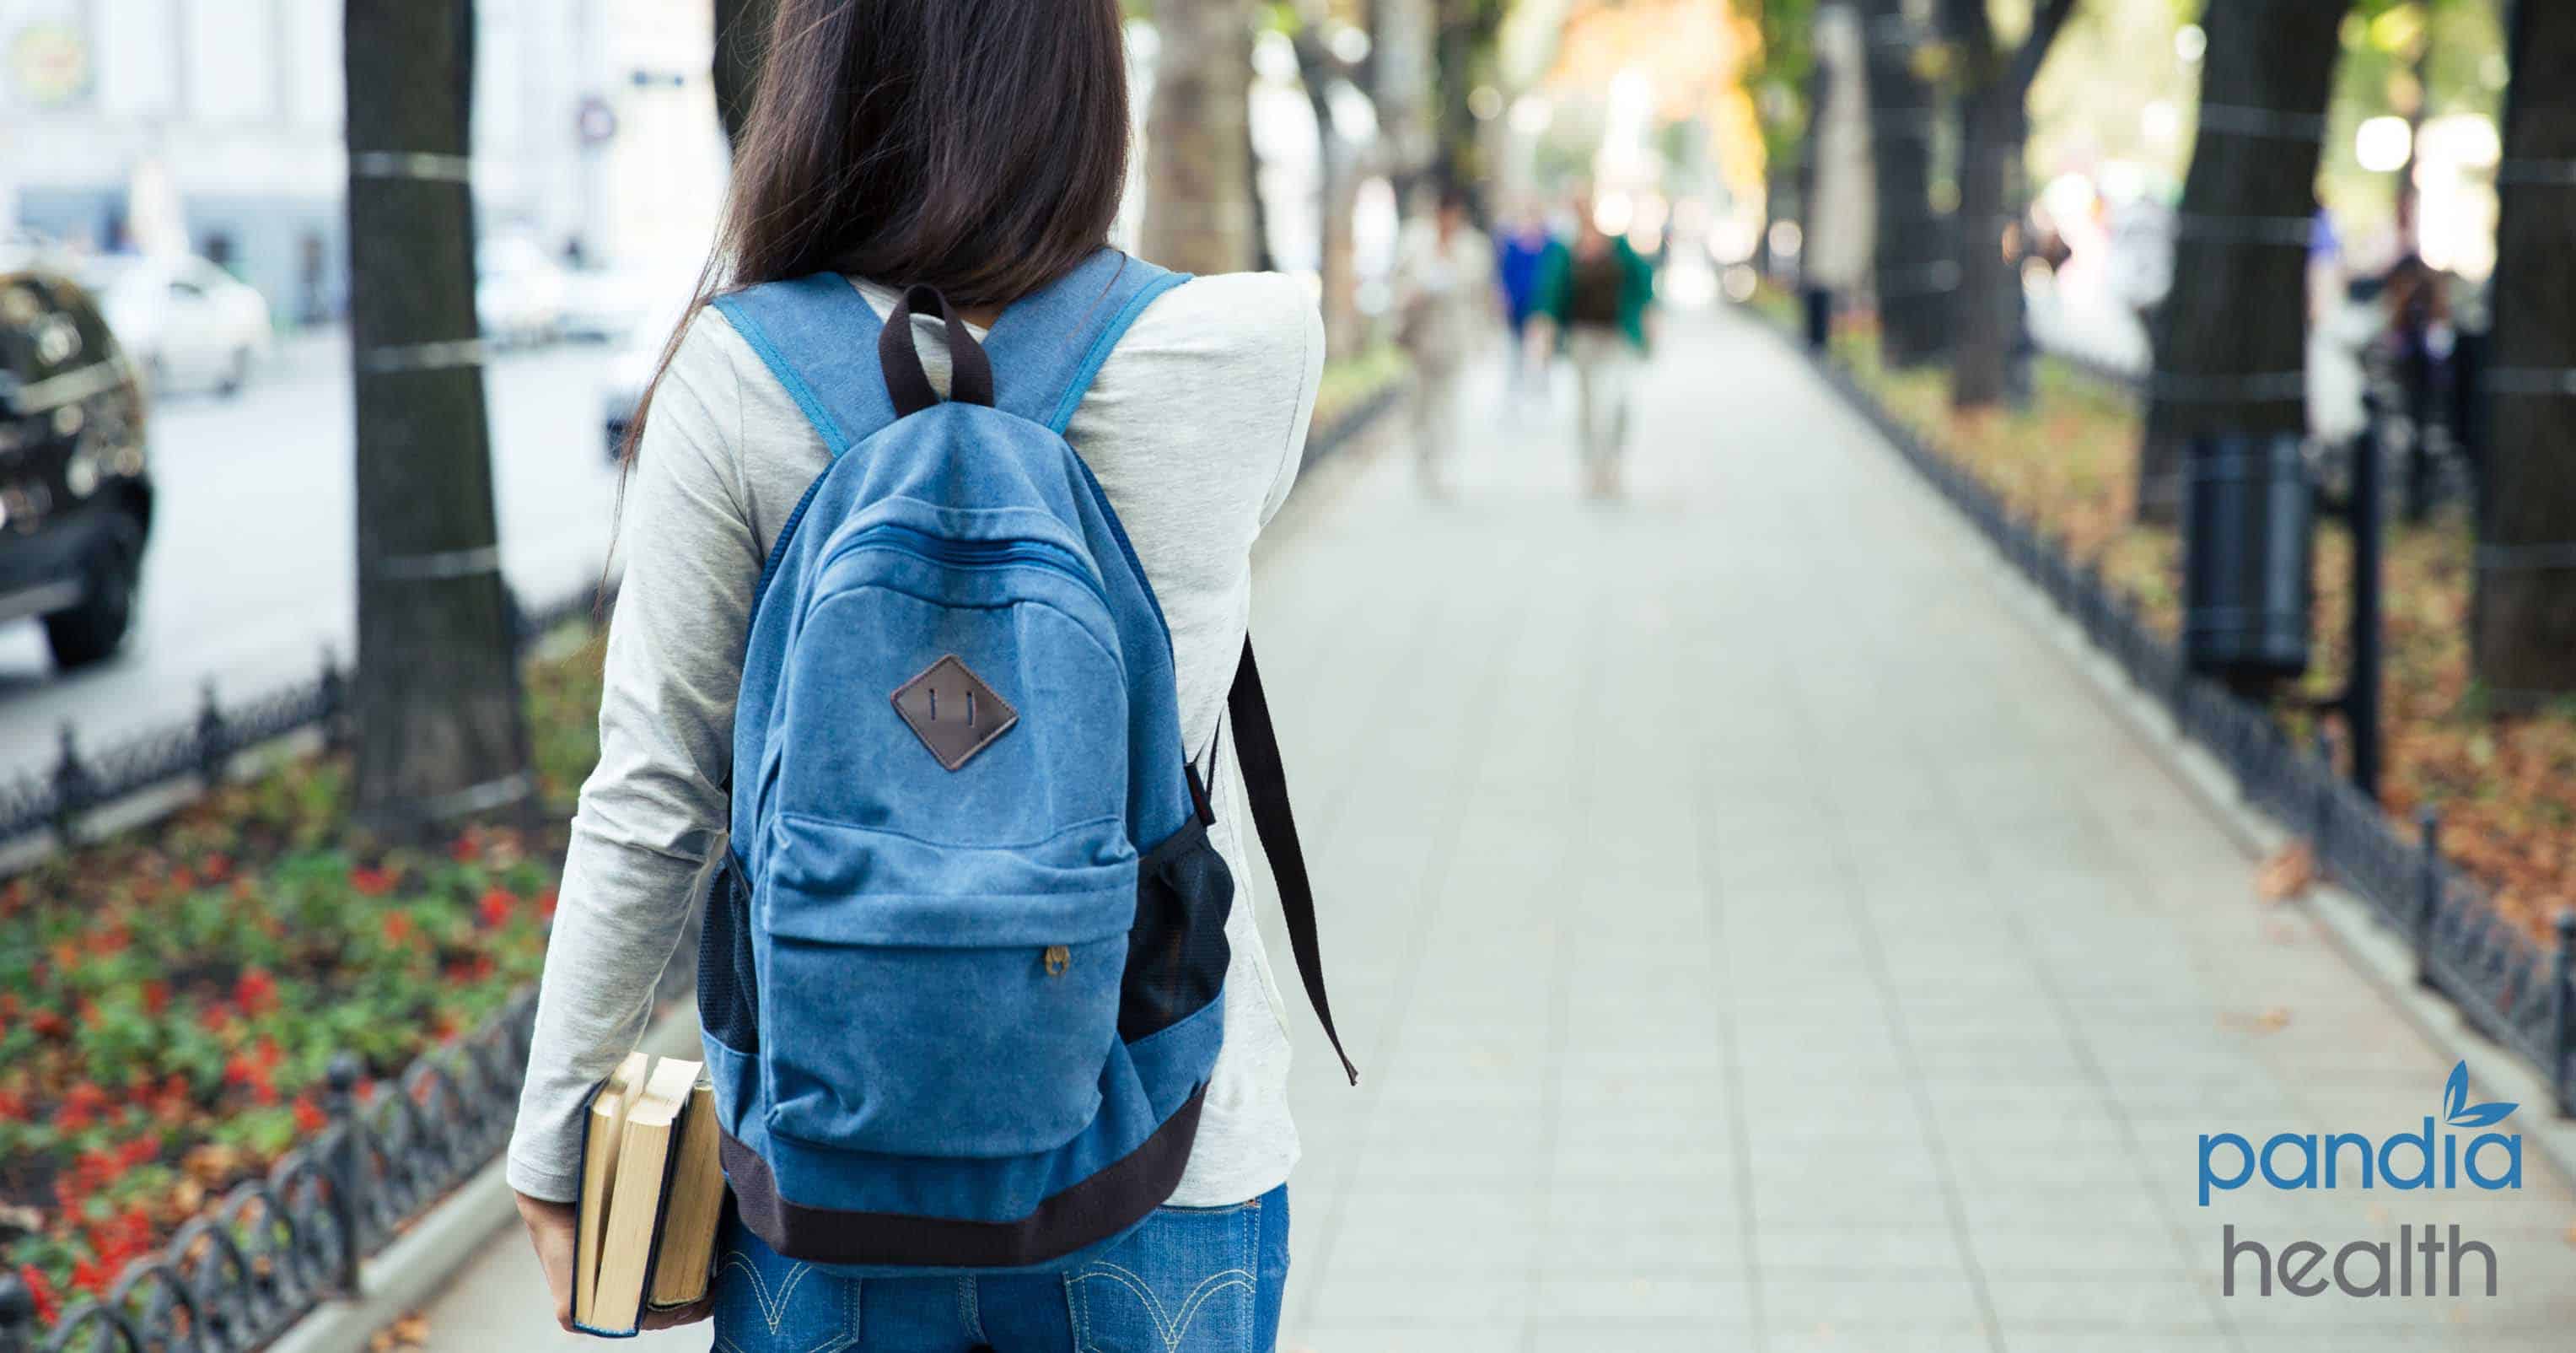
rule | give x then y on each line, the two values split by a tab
1194	427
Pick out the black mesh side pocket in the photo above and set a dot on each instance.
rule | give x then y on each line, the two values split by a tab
728	994
1177	953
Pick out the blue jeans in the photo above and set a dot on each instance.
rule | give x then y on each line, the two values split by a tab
1190	1280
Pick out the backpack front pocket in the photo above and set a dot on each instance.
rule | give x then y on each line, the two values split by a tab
928	1001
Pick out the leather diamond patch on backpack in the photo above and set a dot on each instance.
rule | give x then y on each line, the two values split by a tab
953	712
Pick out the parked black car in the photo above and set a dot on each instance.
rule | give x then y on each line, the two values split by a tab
75	487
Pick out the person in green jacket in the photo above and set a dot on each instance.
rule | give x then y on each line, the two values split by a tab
1596	301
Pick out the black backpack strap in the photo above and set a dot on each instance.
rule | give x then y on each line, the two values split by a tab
1256	749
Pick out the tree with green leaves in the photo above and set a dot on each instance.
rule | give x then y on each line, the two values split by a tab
1778	75
2231	337
440	730
2522	626
1994	125
1462	58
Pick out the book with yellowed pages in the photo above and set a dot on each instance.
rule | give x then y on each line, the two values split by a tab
652	1193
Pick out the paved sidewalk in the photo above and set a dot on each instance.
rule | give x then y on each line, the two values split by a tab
1754	937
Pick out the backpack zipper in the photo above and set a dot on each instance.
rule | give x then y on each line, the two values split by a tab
1038	554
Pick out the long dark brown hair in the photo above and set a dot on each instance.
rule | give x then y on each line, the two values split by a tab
976	145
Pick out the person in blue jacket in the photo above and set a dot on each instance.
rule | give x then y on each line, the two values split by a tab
1522	256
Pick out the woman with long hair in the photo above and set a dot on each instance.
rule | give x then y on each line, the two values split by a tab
978	147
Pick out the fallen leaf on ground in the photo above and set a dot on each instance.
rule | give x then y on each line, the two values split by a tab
2269	1021
411	1331
2287	874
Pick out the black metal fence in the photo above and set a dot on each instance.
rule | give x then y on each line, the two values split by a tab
199	747
2512	989
274	1248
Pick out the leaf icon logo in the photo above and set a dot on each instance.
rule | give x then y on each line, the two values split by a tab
2458	1112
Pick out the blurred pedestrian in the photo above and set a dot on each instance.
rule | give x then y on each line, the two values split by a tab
1837	250
887	167
1523	255
1445	303
1597	303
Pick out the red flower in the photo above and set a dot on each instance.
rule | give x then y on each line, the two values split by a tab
370	881
215	1017
47	1023
496	906
48	1309
216	867
465	849
142	1150
112	940
546	903
397	927
264	1094
184	879
92	1277
80	1107
308	1115
13	1106
268	1053
243	1069
255	991
96	1169
156	996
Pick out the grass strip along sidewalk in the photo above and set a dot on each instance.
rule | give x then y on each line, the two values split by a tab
171	999
2505	787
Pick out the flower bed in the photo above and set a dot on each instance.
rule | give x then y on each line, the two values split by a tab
2505	786
169	1001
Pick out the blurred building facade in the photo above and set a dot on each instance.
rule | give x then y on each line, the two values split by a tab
216	125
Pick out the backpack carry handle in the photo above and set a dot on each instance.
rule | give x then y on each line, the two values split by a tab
970	372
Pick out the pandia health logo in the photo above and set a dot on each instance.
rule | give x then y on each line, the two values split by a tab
2463	1149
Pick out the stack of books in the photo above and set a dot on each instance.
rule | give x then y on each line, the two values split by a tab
652	1194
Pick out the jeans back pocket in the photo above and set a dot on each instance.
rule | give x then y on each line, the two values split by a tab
1185	1282
767	1303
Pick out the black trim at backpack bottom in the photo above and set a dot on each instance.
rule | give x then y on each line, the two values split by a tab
1094	1210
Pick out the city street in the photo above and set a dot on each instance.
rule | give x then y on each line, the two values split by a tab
1753	935
251	569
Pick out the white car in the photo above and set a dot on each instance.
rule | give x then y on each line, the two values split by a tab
520	292
187	324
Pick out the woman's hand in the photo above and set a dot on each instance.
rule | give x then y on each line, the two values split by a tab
554	1229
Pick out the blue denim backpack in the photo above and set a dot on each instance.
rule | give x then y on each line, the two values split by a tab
962	969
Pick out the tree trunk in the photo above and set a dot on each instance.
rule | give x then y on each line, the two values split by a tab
1261	259
1985	310
2231	338
1336	197
1401	35
1458	160
437	689
1780	178
742	31
2522	626
1913	267
1198	217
